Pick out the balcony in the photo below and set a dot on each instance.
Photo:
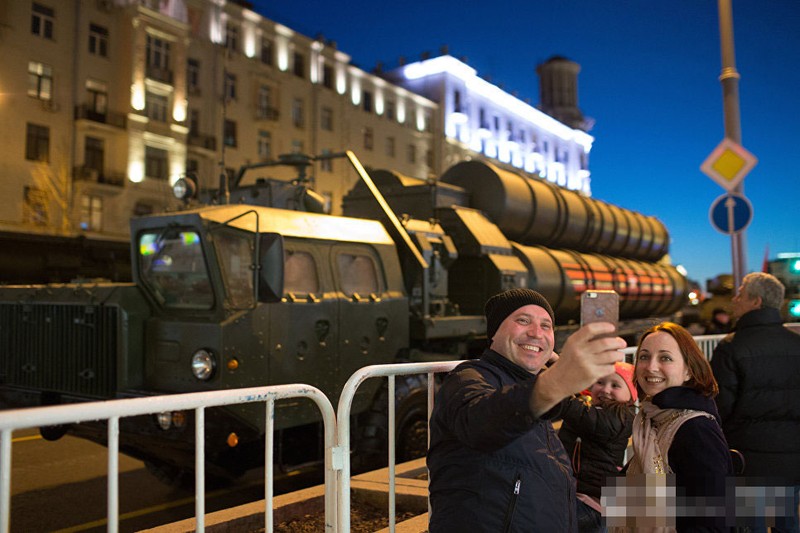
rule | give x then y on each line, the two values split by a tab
161	74
87	112
92	175
208	142
267	113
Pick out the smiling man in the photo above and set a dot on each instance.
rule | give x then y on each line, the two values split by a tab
495	461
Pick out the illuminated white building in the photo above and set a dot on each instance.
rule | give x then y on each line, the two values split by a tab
481	119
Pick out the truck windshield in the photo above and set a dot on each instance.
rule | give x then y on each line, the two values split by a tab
174	268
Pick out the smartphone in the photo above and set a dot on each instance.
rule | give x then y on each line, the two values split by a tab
599	306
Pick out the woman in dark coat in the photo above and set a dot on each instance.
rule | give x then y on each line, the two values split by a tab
677	430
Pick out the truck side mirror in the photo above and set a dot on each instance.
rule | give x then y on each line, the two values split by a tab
270	273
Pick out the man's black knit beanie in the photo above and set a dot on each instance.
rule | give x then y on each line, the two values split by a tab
499	306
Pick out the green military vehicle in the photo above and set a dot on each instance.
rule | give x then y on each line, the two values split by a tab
256	286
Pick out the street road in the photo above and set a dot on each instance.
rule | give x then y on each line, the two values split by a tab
61	486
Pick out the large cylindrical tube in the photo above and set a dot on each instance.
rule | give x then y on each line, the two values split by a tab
534	211
645	289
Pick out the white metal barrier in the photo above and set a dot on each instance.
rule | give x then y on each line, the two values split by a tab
115	409
343	418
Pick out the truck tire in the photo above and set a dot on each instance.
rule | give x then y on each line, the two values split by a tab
411	404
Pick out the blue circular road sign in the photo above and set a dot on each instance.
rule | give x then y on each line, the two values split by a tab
730	213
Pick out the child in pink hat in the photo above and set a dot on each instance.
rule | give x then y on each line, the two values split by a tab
595	434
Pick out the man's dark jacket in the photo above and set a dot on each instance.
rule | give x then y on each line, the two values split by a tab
758	371
494	467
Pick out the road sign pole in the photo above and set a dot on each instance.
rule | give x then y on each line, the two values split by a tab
729	78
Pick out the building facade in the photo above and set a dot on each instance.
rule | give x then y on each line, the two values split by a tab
106	103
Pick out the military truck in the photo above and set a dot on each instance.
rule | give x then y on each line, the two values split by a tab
255	285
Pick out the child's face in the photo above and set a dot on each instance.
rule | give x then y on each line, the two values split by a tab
610	388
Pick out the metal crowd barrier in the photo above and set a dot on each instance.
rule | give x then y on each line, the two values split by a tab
115	409
343	417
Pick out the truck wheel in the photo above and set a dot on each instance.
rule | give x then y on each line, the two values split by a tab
371	444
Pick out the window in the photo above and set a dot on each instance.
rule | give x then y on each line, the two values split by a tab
232	37
262	105
229	134
327	76
300	273
299	65
266	51
91	212
264	145
297	146
94	154
194	123
155	163
157	51
369	138
34	209
193	76
173	268
156	106
457	101
98	40
326	120
412	153
229	90
429	158
96	97
40	80
391	112
390	146
37	144
357	274
367	101
326	165
297	112
42	21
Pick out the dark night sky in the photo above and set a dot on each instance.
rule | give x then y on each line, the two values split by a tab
650	80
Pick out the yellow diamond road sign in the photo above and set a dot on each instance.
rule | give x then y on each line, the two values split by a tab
728	164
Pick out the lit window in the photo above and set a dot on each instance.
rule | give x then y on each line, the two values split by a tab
42	21
98	40
40	80
91	212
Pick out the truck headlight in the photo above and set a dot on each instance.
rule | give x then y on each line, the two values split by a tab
203	364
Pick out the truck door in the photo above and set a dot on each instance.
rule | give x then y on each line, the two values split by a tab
361	285
303	337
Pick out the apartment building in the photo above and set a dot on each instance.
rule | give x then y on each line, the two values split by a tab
106	103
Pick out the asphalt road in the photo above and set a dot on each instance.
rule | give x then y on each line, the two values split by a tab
61	486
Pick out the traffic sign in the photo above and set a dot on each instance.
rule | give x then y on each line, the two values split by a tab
730	213
728	164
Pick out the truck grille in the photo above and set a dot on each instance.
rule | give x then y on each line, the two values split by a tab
68	349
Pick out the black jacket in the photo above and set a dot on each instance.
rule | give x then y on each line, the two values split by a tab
700	458
604	434
493	466
758	371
